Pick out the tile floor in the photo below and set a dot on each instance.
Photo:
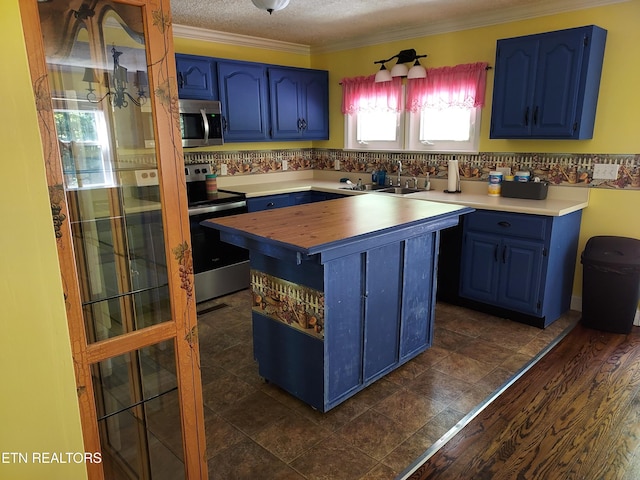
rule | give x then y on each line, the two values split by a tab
255	430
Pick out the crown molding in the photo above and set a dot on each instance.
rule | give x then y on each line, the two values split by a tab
213	36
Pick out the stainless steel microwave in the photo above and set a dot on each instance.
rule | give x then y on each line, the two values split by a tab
200	123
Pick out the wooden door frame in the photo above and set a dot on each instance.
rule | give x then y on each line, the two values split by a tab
168	146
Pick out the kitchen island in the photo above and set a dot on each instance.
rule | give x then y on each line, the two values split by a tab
343	290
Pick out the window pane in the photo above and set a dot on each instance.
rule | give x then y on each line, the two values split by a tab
377	127
105	132
447	124
139	415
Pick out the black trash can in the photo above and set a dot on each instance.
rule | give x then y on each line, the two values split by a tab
610	283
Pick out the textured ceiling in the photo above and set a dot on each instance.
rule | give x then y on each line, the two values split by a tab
326	23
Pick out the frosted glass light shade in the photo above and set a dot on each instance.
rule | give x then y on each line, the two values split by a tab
417	71
383	75
270	5
399	70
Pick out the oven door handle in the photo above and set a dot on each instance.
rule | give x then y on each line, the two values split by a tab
220	207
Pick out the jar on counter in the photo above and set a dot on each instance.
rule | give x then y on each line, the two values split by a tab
495	184
211	184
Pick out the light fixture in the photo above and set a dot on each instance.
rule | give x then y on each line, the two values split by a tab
400	69
118	97
383	74
270	5
417	70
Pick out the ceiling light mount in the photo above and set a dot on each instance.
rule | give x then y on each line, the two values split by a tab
400	69
270	5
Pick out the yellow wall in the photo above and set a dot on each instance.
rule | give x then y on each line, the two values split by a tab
38	404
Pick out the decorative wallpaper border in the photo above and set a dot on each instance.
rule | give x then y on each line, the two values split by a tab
295	305
559	169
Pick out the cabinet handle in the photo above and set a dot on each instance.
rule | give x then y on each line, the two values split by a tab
304	124
535	115
299	124
526	117
180	80
224	124
270	204
504	254
504	224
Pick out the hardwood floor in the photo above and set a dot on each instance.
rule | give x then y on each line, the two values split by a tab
574	415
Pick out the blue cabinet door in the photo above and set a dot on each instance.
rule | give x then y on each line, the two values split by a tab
244	98
513	88
314	100
520	275
299	104
196	79
558	84
546	85
480	267
286	112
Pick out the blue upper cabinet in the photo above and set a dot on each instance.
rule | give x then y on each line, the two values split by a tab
196	78
546	85
244	98
299	102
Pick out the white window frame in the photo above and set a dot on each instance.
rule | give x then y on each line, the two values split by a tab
408	136
414	143
352	141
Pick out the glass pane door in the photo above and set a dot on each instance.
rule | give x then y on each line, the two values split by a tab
104	82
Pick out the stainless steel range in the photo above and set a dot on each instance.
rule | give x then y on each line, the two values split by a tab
219	267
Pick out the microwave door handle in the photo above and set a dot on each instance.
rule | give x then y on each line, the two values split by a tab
206	125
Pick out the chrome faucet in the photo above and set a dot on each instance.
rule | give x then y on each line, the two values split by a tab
399	171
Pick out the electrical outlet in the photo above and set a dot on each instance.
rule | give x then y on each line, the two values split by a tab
223	169
336	165
285	165
605	171
144	178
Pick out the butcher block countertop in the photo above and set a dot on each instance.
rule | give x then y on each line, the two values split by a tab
313	227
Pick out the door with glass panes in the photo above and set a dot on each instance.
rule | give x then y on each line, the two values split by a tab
103	74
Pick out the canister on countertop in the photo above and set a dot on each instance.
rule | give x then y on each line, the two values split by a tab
495	184
211	185
522	176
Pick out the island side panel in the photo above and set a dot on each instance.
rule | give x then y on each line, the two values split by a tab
288	315
344	340
419	290
383	293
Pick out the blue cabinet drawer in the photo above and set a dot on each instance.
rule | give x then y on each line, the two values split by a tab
268	202
512	224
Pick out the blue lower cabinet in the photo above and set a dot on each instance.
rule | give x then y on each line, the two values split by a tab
520	262
324	330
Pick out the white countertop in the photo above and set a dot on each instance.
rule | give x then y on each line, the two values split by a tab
560	200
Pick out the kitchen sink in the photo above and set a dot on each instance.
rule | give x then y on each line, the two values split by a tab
400	190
